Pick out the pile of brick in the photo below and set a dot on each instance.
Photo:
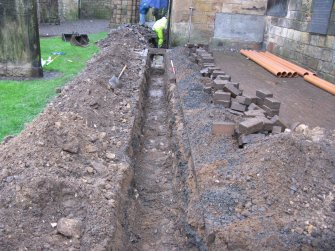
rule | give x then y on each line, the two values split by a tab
260	113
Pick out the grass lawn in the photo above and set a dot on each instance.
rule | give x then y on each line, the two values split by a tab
22	101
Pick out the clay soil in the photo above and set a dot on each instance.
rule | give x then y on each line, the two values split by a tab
137	168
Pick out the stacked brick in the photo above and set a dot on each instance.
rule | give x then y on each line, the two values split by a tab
260	113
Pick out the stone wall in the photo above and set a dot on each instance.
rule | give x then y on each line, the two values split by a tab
101	9
290	38
19	39
48	11
69	9
203	19
124	11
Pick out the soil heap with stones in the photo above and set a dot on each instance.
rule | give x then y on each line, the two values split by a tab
72	179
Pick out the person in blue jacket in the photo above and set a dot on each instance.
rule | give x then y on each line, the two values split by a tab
160	7
144	8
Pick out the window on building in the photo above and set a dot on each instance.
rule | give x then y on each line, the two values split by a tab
321	13
277	8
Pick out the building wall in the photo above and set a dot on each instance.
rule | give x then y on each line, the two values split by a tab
124	11
289	37
48	11
203	19
19	39
101	9
69	9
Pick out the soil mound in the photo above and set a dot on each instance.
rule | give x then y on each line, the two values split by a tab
63	178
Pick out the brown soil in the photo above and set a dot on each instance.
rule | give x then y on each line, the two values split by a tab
73	161
137	168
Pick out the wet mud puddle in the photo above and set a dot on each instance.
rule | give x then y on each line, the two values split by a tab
157	209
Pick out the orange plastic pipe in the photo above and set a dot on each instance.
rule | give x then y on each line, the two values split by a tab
301	71
290	72
323	84
293	71
276	68
268	67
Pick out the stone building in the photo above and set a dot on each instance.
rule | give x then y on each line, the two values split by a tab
299	30
19	39
118	11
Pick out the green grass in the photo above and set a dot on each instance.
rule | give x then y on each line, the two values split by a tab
22	101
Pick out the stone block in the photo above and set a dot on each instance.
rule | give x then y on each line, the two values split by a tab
249	139
232	89
237	106
207	89
243	100
254	113
225	103
272	103
253	106
219	84
276	121
277	129
200	51
205	72
208	65
259	101
250	126
207	82
221	95
212	69
217	73
224	77
267	124
207	59
262	94
270	112
223	128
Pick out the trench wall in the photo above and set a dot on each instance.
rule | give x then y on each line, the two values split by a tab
19	39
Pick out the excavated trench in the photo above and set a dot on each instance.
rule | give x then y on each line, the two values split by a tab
155	214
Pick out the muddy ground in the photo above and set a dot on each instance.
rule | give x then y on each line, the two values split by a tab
137	168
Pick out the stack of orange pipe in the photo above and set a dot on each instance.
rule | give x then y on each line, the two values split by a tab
283	68
270	64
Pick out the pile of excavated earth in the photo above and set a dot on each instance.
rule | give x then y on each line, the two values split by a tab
166	161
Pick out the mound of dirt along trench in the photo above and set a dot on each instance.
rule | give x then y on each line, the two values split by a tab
137	168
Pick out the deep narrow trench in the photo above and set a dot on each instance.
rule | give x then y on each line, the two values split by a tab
155	220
